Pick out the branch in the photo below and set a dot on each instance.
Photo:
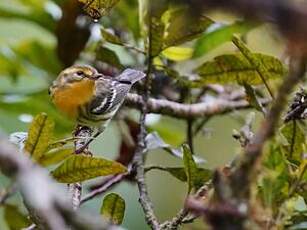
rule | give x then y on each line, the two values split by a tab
138	160
50	205
7	192
184	111
106	186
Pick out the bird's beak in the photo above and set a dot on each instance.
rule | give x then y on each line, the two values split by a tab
97	76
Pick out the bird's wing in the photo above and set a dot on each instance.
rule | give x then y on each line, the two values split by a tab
109	95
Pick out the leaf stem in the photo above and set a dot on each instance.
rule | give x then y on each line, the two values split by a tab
249	56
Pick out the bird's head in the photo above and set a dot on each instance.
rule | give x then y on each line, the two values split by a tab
74	87
74	74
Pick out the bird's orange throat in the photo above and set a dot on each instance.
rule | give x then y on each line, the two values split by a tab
69	98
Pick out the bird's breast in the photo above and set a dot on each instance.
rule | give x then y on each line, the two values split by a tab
69	98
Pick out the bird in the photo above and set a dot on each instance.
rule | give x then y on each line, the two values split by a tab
90	98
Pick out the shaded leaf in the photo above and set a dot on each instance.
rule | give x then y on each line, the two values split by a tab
295	138
79	168
108	56
154	141
218	34
14	218
33	51
113	208
109	37
98	8
274	186
190	167
55	156
235	68
252	97
182	25
39	135
203	175
151	24
177	53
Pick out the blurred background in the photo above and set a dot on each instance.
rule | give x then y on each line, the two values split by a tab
36	43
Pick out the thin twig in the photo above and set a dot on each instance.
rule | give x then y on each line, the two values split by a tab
106	186
7	192
138	160
190	134
182	215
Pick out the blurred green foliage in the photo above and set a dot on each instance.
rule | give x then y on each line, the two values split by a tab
39	38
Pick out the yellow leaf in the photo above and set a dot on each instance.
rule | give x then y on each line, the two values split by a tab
98	8
55	156
40	132
79	168
113	208
177	53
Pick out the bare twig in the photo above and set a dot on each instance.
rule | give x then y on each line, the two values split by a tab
190	134
105	187
184	111
7	192
138	160
182	215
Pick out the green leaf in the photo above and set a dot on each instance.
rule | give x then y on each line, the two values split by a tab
221	34
177	53
108	56
39	135
55	156
79	168
182	25
190	167
296	139
167	26
203	175
113	208
32	51
109	37
274	186
98	8
252	97
235	68
14	218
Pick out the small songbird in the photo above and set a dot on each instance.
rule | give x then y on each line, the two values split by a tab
90	98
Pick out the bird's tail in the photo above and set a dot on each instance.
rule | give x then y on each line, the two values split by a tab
130	76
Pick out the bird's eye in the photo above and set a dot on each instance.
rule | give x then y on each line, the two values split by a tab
80	73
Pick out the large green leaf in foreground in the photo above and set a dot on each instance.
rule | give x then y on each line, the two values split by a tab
79	168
